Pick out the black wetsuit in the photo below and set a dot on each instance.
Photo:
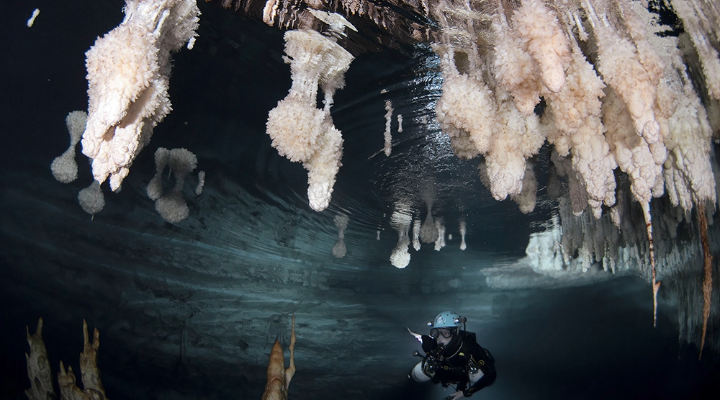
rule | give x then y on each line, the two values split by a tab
452	363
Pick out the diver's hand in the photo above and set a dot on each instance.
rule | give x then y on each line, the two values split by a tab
455	396
428	343
429	367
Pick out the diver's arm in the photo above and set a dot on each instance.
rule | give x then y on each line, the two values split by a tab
481	370
480	379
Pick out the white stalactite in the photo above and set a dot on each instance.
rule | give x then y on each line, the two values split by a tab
128	77
301	132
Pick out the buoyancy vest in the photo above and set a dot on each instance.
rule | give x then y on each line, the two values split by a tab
451	364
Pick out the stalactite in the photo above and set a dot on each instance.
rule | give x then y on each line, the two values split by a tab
128	80
341	222
707	280
494	71
655	282
388	133
300	131
400	220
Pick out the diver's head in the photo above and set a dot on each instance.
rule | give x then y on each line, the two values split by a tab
443	336
446	327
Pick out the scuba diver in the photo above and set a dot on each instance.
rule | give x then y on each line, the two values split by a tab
453	357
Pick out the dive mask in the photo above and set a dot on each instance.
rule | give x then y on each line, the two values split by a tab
444	332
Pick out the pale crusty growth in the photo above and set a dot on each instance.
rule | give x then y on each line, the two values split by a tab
665	103
622	69
688	174
558	138
577	127
466	110
543	38
687	10
579	98
299	142
631	151
535	53
323	167
486	62
128	72
633	73
527	197
301	132
515	138
594	164
637	30
514	67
